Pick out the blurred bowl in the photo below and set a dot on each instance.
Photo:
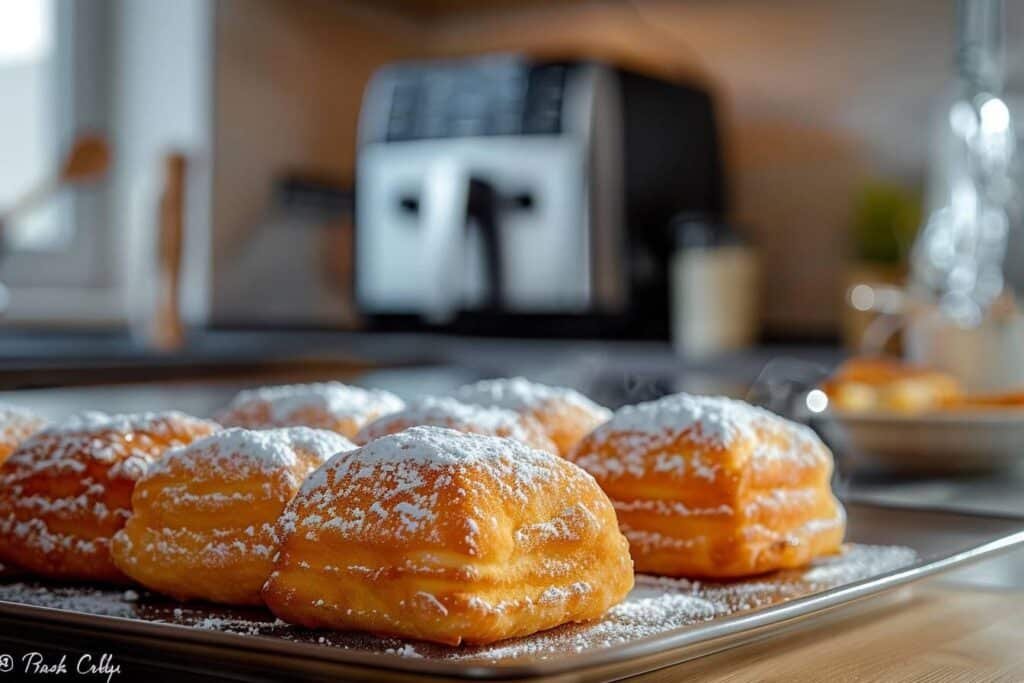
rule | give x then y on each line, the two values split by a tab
927	444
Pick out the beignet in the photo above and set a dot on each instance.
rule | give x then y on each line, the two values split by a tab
566	415
202	523
713	487
449	537
323	405
462	417
66	490
880	384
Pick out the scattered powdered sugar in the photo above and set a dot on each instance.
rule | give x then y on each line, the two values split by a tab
856	564
239	626
519	393
658	605
651	606
406	650
270	448
334	398
655	606
89	600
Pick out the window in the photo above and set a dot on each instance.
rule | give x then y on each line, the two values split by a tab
140	74
28	119
54	83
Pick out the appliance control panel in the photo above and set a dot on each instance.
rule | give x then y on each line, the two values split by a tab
479	98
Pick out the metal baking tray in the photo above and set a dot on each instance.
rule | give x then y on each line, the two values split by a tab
661	624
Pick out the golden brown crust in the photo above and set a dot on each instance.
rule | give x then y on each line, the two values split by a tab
449	537
65	491
565	414
202	525
714	488
566	423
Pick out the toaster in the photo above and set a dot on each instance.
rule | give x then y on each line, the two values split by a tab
512	195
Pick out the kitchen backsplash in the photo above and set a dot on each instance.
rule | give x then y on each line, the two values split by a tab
815	100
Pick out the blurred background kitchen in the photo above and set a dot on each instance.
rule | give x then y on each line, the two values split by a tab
632	197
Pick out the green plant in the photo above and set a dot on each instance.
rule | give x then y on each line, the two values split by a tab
885	220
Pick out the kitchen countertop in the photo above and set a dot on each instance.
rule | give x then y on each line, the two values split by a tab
942	633
42	359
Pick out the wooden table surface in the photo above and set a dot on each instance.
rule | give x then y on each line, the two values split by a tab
942	633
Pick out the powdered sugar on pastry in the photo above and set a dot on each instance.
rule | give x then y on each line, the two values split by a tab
433	409
327	405
90	422
434	447
395	468
66	490
334	398
714	422
130	442
268	448
519	393
502	538
712	419
13	412
464	417
203	517
713	487
565	414
16	424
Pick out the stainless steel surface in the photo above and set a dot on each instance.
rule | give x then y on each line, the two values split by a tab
545	250
426	261
994	494
943	540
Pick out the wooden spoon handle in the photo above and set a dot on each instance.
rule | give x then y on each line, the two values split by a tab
168	331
